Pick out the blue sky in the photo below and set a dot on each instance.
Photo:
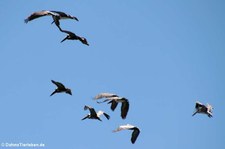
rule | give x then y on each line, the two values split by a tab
161	55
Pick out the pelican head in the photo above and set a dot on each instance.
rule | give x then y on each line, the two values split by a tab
84	41
68	91
75	18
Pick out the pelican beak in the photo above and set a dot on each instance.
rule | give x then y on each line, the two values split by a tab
64	39
75	18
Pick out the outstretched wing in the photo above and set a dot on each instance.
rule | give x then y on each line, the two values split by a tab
92	110
135	134
102	101
36	15
58	84
106	115
105	95
62	14
124	127
113	104
124	108
198	105
103	113
56	21
209	107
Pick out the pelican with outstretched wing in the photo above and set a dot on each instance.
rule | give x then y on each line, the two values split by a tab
135	133
60	88
56	15
93	114
73	36
114	99
204	109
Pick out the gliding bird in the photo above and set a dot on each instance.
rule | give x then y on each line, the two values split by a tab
56	15
114	100
135	132
204	109
93	114
60	88
73	36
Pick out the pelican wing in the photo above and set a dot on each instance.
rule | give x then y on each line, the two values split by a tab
209	107
103	113
36	15
124	127
105	95
124	108
102	101
58	84
106	115
56	21
87	107
92	110
135	134
113	104
64	15
198	105
60	13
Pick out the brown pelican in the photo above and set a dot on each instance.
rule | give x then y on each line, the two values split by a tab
135	132
72	36
204	109
60	88
114	100
56	15
93	114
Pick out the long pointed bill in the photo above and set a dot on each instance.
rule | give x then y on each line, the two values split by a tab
64	39
75	18
194	113
102	101
84	118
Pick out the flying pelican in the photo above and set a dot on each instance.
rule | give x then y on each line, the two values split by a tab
56	15
204	109
135	132
60	88
114	100
93	114
72	36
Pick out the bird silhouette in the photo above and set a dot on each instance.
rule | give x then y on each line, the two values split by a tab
93	114
56	15
114	99
204	109
135	133
73	36
60	88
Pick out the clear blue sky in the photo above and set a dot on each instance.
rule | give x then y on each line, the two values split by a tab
162	55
